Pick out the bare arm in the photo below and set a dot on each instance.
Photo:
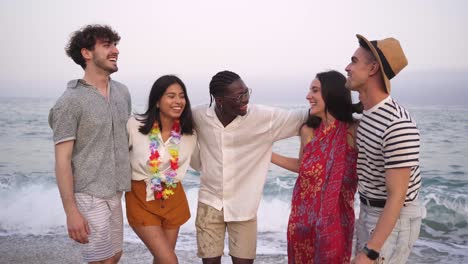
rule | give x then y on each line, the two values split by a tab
293	164
77	225
396	181
284	162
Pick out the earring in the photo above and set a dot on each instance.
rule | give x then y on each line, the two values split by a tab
219	108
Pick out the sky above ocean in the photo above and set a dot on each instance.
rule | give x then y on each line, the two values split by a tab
276	46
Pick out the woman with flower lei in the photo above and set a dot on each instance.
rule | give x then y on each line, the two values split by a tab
161	142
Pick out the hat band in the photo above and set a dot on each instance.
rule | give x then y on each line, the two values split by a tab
386	66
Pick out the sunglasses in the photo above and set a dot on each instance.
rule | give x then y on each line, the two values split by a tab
241	97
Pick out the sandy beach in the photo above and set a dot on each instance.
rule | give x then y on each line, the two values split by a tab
59	249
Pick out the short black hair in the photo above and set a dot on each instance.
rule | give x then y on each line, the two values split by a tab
220	82
152	113
86	38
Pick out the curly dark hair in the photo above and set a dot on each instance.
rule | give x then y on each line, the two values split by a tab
86	38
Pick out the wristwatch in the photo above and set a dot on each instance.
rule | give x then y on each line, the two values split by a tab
370	253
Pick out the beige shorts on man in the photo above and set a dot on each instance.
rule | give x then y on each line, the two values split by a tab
211	230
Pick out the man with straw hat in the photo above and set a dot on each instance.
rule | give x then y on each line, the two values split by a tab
388	159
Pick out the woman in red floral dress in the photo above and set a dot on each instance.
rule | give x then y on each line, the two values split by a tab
321	223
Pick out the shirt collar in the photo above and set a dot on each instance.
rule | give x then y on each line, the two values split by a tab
76	82
375	107
210	111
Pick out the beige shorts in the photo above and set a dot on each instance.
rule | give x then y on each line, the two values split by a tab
105	220
211	230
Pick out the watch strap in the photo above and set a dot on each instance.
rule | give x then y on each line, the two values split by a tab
370	253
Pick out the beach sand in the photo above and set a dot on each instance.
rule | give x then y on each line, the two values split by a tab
59	249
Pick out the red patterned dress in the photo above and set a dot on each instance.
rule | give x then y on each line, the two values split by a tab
321	223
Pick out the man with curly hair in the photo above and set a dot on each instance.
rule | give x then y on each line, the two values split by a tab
91	149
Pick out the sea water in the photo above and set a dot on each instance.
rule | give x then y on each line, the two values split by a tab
30	202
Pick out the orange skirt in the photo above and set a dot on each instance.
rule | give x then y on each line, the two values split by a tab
170	213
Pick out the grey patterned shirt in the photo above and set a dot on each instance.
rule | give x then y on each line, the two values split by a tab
100	158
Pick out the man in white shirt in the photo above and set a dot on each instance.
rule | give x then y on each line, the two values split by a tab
235	142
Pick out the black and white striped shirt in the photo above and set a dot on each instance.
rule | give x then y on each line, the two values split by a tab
387	138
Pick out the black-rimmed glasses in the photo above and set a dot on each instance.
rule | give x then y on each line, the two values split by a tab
241	97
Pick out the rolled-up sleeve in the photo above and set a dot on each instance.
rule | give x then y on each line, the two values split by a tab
63	119
287	123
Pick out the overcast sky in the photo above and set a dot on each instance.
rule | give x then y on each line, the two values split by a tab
276	46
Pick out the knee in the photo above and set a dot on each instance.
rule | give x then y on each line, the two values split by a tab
166	259
115	259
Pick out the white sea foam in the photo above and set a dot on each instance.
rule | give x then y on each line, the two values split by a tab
32	209
438	250
456	201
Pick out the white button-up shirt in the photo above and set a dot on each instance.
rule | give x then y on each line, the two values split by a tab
140	152
235	159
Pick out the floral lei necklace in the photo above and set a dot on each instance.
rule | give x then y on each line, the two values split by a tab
154	161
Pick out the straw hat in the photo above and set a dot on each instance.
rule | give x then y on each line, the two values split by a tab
390	56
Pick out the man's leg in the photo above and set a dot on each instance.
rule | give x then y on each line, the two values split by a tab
362	230
211	230
242	241
398	245
98	212
116	226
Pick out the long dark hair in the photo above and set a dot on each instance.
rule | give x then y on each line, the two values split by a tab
152	114
337	99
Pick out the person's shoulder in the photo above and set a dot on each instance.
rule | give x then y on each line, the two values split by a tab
120	88
399	112
354	124
74	88
118	84
135	120
307	134
259	110
264	109
190	137
352	133
352	127
199	108
306	130
71	96
133	123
